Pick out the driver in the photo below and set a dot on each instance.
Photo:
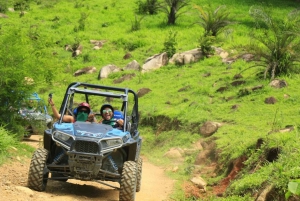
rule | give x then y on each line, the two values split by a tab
107	113
83	113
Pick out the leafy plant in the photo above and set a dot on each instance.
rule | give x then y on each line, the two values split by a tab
81	23
293	188
136	24
171	9
170	44
206	42
147	7
4	4
276	47
214	21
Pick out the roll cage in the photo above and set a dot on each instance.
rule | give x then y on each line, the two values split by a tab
96	90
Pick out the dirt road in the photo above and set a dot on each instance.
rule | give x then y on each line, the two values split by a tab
13	180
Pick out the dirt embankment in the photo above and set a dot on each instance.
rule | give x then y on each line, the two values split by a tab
13	184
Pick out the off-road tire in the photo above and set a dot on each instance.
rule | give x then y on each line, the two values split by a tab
128	181
139	174
38	171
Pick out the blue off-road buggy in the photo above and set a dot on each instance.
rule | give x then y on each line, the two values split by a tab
92	151
35	113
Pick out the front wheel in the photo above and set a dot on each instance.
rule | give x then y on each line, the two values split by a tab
128	181
139	174
38	171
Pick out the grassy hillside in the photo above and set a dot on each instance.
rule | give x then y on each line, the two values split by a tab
56	23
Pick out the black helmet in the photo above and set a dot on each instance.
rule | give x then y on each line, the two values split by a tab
105	106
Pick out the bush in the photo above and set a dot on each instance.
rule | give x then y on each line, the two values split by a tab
170	43
276	47
214	21
147	7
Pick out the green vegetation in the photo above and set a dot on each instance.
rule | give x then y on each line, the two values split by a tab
183	97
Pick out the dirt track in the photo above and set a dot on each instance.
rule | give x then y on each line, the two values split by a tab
13	180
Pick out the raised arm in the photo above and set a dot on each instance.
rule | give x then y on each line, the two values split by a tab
66	118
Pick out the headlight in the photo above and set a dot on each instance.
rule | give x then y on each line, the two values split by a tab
114	142
63	139
62	136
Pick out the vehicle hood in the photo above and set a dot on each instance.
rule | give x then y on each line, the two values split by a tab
89	130
38	116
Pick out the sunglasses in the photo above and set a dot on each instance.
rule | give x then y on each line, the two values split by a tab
107	111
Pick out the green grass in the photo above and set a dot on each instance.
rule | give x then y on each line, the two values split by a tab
54	23
10	147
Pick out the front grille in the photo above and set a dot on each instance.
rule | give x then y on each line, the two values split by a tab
86	147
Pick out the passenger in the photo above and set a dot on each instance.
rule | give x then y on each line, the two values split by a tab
107	113
83	113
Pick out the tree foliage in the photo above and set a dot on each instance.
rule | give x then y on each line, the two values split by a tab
150	7
24	65
172	7
214	21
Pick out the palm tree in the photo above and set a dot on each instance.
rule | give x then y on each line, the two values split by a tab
276	46
214	21
171	8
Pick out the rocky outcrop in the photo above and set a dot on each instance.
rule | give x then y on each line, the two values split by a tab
155	62
106	70
187	57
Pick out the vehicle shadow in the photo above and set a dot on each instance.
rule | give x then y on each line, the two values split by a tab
83	189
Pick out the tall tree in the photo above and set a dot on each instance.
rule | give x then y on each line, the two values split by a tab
172	7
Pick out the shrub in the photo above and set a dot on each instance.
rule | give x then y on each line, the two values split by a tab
276	47
136	24
170	43
147	7
213	21
206	42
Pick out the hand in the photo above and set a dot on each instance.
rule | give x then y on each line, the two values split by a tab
50	101
91	117
120	122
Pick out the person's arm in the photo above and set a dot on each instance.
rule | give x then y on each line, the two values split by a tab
66	118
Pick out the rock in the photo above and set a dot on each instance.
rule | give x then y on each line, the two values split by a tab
134	65
143	91
270	100
200	182
209	128
155	62
106	70
278	83
25	190
86	70
123	78
187	57
175	153
3	15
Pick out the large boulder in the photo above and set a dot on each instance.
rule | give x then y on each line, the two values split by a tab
155	62
187	57
106	70
134	65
